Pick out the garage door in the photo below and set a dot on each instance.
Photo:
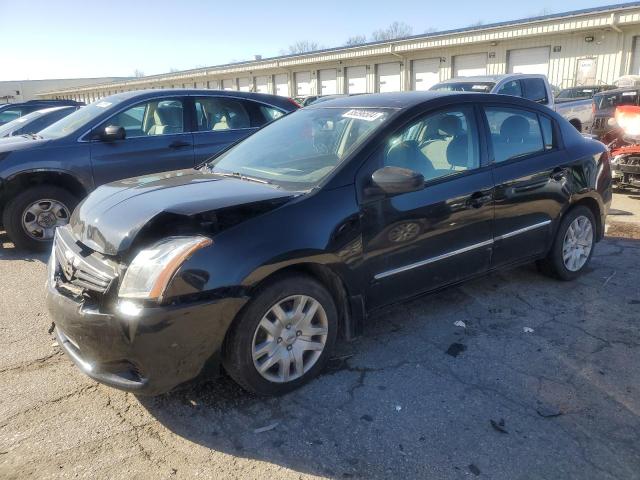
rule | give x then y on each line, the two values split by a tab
303	83
282	84
470	65
229	84
388	77
529	60
356	79
244	84
426	73
328	82
262	84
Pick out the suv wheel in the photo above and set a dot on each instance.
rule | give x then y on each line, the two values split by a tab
573	246
283	338
32	216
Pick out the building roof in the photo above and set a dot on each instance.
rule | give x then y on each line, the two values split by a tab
444	38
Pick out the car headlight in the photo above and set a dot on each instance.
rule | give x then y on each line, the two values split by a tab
153	268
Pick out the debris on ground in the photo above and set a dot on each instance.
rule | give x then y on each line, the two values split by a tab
460	323
475	470
266	428
398	408
456	349
609	278
548	412
528	330
498	426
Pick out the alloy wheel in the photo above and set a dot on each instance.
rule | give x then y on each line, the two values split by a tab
290	338
577	244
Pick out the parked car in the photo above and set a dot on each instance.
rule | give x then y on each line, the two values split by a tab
11	111
581	93
265	255
605	104
35	121
305	100
625	147
43	177
533	87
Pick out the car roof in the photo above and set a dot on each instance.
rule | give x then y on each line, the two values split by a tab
168	92
381	100
617	90
491	78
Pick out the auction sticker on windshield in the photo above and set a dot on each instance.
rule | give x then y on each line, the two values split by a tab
359	114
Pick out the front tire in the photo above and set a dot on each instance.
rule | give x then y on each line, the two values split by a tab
283	337
31	217
573	245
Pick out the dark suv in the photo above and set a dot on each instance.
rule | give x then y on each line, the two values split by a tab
44	176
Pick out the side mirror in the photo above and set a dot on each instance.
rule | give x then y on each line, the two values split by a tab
396	180
112	133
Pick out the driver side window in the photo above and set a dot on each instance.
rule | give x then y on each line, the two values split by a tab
438	144
156	117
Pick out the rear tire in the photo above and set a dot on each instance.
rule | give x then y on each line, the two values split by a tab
17	208
569	256
250	346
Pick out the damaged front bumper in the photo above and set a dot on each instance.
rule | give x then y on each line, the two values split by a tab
148	350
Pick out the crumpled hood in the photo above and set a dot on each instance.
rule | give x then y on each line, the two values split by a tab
109	219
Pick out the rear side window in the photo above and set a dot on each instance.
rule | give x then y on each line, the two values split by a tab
270	113
220	113
548	134
535	90
517	133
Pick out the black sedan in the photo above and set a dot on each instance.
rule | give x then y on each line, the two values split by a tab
265	255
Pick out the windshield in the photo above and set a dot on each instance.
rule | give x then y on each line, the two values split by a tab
300	150
481	87
80	118
612	100
19	122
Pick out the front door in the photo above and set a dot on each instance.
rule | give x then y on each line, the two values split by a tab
420	241
156	141
531	174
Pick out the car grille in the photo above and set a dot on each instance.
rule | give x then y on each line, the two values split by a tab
632	161
80	266
600	122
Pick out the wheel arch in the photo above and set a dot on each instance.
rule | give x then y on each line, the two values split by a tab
31	178
593	205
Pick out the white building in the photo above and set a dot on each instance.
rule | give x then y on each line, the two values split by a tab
582	47
14	91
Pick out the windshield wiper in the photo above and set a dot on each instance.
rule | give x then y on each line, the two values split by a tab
240	176
33	136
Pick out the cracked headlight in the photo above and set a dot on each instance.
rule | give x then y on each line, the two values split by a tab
153	268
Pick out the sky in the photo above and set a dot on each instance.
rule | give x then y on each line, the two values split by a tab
72	39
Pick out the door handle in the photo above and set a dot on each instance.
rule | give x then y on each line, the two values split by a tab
179	144
558	174
478	199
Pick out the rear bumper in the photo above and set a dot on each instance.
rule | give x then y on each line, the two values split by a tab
149	353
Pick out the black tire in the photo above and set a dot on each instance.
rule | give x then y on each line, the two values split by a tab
553	265
237	352
15	208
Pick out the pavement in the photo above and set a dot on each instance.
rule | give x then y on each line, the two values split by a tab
510	376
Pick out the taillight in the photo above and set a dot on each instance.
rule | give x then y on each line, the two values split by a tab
297	105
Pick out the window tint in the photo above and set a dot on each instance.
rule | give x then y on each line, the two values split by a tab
437	145
511	88
219	113
269	113
535	90
514	133
157	117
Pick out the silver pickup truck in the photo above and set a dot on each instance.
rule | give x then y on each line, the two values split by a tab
530	86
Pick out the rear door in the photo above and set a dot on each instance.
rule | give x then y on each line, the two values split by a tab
531	174
157	140
223	120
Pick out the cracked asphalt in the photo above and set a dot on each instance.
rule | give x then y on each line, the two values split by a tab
541	382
